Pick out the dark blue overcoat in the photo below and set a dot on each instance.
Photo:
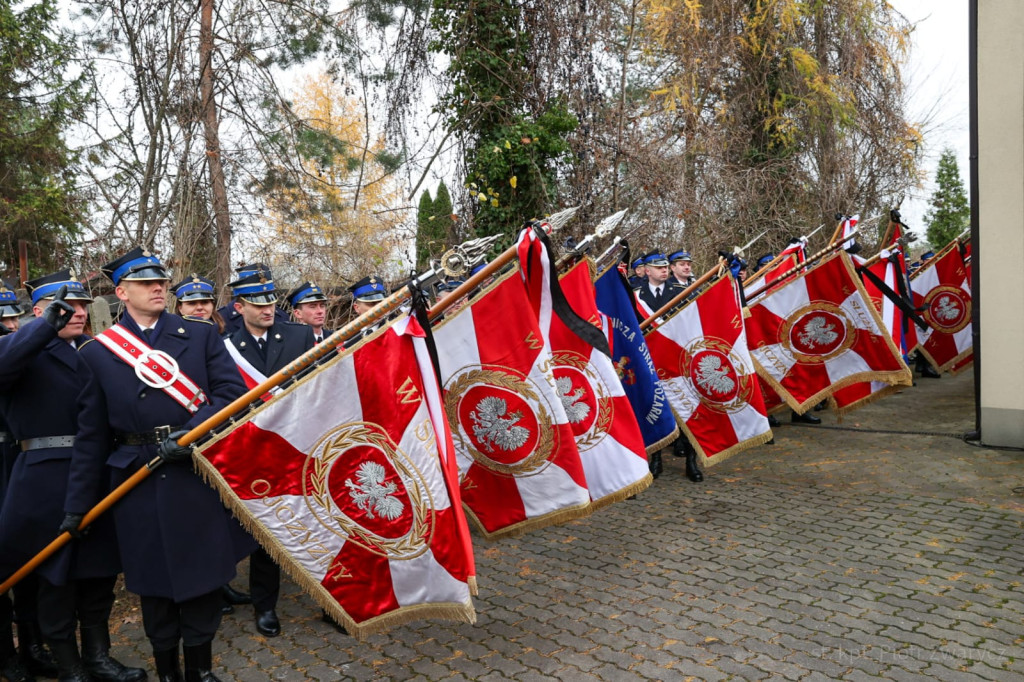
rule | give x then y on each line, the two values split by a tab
173	532
38	391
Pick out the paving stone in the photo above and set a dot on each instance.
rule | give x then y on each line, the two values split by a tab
830	555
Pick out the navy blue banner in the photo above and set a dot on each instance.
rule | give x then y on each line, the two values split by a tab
633	361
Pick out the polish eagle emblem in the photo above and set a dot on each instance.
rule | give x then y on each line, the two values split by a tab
818	332
575	410
371	493
713	377
492	428
946	309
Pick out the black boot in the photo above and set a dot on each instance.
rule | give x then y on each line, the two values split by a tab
168	665
33	652
11	667
679	446
97	660
198	662
928	372
69	663
655	464
693	471
773	421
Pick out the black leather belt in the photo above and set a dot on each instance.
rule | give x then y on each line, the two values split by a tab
154	436
45	442
6	437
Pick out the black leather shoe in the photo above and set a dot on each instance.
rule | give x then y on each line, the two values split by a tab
805	419
267	623
227	609
823	405
928	372
655	464
326	617
14	670
773	421
693	471
234	597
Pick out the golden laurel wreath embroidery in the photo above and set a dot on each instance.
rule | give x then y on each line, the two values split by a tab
527	466
316	490
815	307
745	381
605	407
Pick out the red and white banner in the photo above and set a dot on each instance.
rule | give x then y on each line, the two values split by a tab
818	333
514	444
791	257
851	397
941	286
608	437
847	227
703	362
347	479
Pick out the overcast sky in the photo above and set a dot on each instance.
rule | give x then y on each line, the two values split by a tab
937	77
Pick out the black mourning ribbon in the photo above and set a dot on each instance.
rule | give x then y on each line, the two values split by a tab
587	332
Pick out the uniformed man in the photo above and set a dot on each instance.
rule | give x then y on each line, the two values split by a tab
39	387
173	532
309	306
682	268
658	290
269	346
639	275
32	657
232	318
366	293
10	309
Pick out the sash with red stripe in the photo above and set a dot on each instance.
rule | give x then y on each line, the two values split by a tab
250	375
155	368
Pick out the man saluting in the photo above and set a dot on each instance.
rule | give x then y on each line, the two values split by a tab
147	380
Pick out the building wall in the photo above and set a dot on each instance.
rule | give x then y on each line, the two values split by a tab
1001	219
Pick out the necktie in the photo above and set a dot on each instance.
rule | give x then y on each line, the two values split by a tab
657	292
148	334
317	339
262	343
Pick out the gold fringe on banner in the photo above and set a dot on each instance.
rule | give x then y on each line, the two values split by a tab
623	493
516	530
453	611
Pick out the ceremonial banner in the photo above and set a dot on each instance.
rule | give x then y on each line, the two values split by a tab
851	397
347	479
250	375
791	257
633	362
607	435
942	289
819	332
702	359
516	452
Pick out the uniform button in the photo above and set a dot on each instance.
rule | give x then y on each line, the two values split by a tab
163	475
142	395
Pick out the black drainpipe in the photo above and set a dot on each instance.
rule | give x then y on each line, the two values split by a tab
972	23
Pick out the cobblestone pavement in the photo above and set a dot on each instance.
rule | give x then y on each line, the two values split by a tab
829	555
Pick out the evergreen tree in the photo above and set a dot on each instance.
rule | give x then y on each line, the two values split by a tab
949	212
38	101
424	230
443	213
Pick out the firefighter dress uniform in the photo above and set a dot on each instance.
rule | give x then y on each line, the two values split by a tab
39	386
174	534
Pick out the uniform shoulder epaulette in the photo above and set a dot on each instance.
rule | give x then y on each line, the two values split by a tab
84	343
